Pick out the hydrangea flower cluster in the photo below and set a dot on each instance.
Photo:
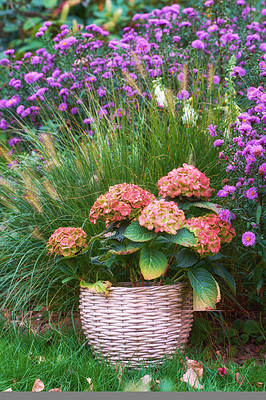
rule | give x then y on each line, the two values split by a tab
122	201
210	233
244	157
159	43
162	216
67	242
186	181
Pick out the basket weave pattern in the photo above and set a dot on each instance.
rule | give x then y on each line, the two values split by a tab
137	324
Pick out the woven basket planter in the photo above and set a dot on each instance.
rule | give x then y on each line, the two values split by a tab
140	324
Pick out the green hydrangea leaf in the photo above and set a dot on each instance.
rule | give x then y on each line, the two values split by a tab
138	233
202	204
183	237
204	286
152	263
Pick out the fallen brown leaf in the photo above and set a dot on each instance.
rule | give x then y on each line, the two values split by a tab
90	383
259	384
38	386
8	390
194	374
55	390
239	378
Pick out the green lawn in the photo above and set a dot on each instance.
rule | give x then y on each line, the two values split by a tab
65	360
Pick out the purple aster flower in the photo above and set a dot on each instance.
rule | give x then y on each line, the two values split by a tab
252	193
248	238
32	77
176	39
216	79
218	143
224	215
143	46
14	141
262	169
4	61
101	92
222	193
74	110
229	189
9	52
212	130
182	95
238	71
62	107
87	121
198	44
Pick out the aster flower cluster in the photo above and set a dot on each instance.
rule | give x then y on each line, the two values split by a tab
210	233
185	182
162	216
244	157
121	202
67	242
160	42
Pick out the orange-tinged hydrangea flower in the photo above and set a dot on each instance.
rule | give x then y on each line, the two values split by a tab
163	216
122	201
210	233
67	241
186	181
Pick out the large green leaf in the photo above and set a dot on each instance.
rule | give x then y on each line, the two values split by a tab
204	285
138	233
183	237
223	273
186	258
202	204
124	250
152	263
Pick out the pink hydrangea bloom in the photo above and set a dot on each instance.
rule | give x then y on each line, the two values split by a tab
163	216
210	233
122	201
67	242
185	181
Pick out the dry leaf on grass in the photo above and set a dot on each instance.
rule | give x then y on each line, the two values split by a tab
90	383
55	390
259	384
239	379
41	359
8	390
193	374
38	386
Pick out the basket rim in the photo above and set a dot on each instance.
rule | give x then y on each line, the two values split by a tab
142	288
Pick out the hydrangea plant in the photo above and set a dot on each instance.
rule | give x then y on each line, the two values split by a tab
166	240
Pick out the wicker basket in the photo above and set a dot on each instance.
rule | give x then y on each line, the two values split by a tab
140	324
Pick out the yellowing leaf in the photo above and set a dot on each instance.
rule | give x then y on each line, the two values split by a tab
193	374
38	386
97	287
199	305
